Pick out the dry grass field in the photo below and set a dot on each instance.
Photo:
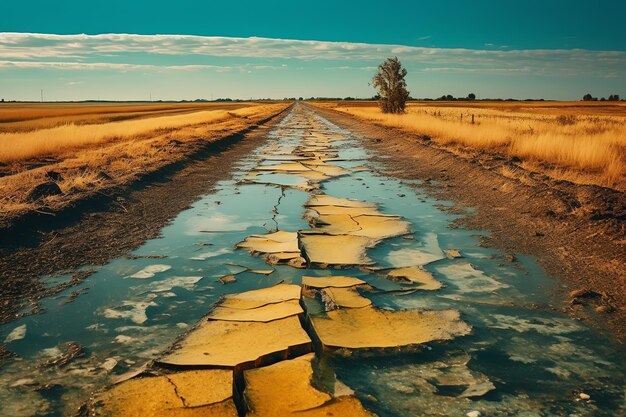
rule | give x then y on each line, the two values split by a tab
16	146
95	153
20	117
581	142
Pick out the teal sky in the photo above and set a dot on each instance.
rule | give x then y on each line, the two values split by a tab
77	50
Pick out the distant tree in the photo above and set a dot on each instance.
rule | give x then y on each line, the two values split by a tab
300	99
602	99
614	97
471	96
391	86
587	97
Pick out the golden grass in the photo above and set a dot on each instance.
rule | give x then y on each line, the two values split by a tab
53	141
15	112
579	147
24	117
123	151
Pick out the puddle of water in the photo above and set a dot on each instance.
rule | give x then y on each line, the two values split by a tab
133	308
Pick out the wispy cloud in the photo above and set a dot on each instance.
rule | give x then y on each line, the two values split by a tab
350	68
493	71
130	67
117	51
106	65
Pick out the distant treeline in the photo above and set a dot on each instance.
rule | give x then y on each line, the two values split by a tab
470	97
445	97
612	97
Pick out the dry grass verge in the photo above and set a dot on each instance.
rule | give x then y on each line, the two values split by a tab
56	140
22	117
564	141
92	158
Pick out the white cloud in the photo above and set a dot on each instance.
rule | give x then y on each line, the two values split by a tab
350	68
110	66
19	50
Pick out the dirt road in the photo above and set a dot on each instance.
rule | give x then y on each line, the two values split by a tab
338	263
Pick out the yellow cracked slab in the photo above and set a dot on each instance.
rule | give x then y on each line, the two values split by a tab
371	327
328	169
258	298
227	279
373	226
336	250
327	200
335	282
280	236
316	149
265	313
344	297
415	275
201	393
381	227
336	224
283	256
283	157
302	184
286	389
351	211
231	343
203	387
261	271
276	242
453	253
314	161
283	167
313	175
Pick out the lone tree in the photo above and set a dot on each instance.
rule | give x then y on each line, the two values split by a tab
391	86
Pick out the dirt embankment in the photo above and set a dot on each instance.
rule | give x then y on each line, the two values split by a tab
110	224
577	232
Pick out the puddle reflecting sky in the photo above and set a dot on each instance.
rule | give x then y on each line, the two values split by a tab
537	359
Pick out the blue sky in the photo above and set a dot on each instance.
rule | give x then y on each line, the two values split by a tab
552	49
